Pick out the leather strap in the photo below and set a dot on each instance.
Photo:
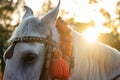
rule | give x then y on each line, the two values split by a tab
116	77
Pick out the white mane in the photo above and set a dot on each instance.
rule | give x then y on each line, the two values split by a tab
94	61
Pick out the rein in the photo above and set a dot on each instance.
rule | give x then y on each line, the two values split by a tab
116	77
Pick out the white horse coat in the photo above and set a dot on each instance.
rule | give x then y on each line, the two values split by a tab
92	61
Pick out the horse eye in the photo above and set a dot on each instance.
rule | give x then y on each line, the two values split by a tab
30	58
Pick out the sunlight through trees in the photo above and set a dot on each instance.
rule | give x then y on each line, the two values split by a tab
82	15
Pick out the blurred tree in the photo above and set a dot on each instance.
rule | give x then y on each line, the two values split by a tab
110	39
46	7
9	19
113	24
94	1
113	38
80	26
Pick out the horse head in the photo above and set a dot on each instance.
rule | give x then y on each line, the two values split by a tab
24	59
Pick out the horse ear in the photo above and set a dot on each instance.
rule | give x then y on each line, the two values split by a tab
51	16
28	13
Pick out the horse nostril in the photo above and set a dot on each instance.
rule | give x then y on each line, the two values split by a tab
30	58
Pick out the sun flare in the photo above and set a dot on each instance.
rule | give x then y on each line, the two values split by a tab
91	34
84	12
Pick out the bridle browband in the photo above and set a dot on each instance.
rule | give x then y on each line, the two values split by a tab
29	39
34	39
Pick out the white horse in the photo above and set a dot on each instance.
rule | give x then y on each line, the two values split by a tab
92	61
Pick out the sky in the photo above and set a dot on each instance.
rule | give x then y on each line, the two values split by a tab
83	12
80	7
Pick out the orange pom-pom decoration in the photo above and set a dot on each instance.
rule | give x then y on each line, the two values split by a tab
57	54
59	69
65	36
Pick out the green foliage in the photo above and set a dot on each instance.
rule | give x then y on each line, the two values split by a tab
7	9
110	39
80	26
46	7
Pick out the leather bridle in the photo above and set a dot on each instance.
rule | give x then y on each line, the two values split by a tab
48	56
49	43
27	39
